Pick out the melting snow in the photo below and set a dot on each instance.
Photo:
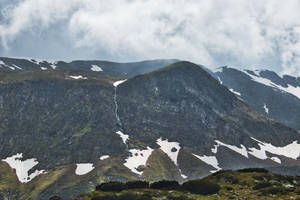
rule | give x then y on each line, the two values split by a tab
276	159
241	150
291	150
84	168
211	160
137	158
104	157
123	136
220	80
184	176
266	109
96	68
53	66
22	167
235	92
17	67
170	148
44	68
10	67
78	77
115	84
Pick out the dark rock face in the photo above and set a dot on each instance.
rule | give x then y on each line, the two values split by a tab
63	121
58	121
184	103
279	105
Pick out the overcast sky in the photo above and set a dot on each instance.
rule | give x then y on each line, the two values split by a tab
262	34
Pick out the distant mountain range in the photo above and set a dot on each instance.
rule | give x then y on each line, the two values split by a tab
66	127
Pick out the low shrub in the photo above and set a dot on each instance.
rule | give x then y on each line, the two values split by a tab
262	185
52	198
164	184
111	187
132	196
275	191
137	185
250	170
105	197
201	187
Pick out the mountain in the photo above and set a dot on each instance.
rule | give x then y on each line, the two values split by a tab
276	97
67	130
124	70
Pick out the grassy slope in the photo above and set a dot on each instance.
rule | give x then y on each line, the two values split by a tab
234	185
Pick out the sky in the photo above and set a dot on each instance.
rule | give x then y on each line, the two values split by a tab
253	34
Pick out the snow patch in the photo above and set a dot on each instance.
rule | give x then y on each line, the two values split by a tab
22	167
290	151
184	176
10	67
276	159
53	66
17	67
84	168
78	77
115	84
170	148
104	157
123	136
96	68
235	92
44	68
210	160
266	109
220	81
1	62
241	150
137	158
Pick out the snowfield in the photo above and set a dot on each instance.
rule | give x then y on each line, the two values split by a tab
83	168
22	167
137	158
170	148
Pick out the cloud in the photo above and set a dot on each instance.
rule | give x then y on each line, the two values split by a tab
216	32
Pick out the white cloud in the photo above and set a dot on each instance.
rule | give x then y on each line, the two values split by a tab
208	32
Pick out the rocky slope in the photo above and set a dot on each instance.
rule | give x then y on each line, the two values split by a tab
276	97
63	128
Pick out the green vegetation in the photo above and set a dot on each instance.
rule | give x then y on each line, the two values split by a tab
250	184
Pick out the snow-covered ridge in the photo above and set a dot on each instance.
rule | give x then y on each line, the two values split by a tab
22	167
83	168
